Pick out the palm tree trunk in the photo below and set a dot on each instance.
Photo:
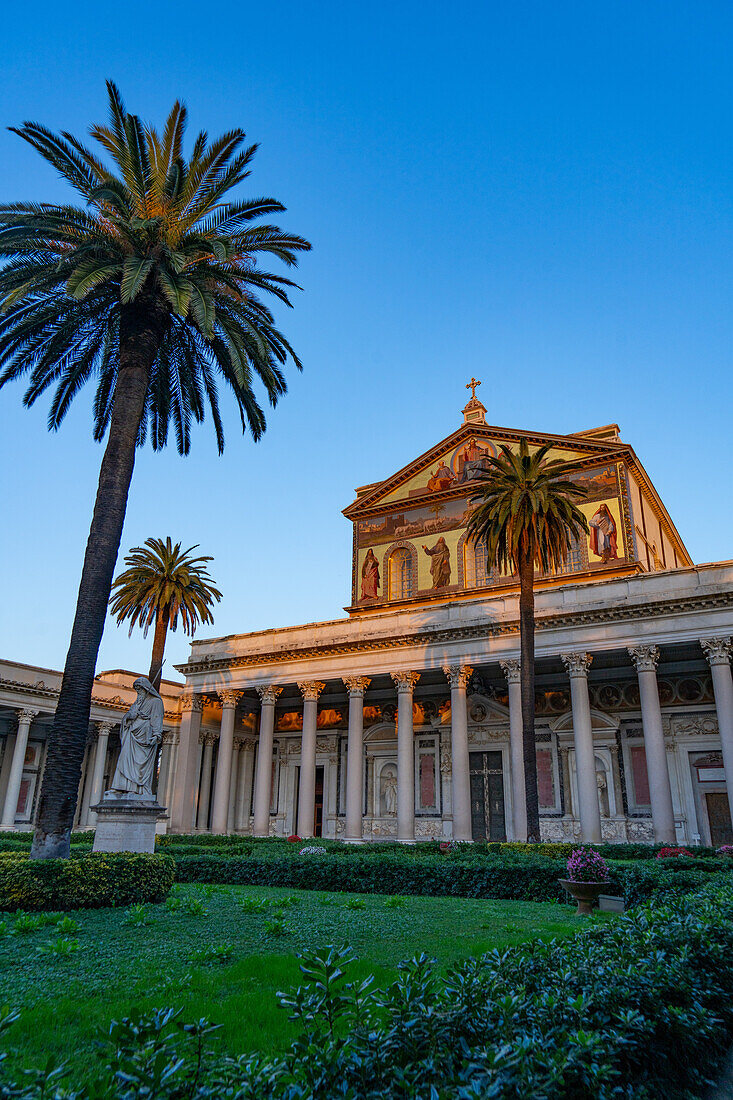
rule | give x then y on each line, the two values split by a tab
526	636
156	661
142	326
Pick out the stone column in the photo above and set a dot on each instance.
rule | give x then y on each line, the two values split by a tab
263	781
233	782
577	665
459	675
80	788
718	652
512	669
310	690
86	797
183	802
25	718
220	814
356	686
202	818
100	759
645	659
405	682
244	784
567	788
170	779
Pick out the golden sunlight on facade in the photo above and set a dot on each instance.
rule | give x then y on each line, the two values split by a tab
403	719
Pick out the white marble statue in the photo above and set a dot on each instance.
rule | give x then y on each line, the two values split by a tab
141	732
390	793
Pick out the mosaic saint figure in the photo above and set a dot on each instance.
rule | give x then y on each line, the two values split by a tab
141	732
369	576
440	565
442	478
603	541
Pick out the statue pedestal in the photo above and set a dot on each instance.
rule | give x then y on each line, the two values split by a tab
126	825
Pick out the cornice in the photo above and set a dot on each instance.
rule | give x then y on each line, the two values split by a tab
622	612
371	504
20	687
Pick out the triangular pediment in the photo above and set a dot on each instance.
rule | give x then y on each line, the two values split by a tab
447	469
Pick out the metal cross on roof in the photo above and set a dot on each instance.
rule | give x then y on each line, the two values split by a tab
472	387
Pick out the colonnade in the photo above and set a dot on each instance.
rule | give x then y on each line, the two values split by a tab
577	664
189	755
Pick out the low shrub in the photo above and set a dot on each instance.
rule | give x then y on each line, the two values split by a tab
86	882
525	879
632	1010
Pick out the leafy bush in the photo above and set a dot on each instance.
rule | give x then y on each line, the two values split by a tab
521	879
85	882
631	1010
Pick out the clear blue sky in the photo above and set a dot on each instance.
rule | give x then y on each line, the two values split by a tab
538	194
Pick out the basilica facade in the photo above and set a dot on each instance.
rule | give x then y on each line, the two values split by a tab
403	720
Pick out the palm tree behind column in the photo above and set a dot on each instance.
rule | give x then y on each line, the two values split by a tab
162	582
525	512
150	287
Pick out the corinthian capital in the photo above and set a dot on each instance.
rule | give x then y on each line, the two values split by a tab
405	680
512	669
356	685
577	664
105	728
268	693
191	700
645	657
229	698
26	716
458	675
311	689
717	650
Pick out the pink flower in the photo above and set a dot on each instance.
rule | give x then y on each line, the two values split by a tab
586	865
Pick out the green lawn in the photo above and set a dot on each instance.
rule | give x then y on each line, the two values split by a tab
123	965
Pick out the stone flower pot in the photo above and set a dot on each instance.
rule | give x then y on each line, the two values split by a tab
585	893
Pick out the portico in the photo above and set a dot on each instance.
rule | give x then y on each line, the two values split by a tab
410	728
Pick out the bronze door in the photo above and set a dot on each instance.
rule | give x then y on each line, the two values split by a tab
487	796
718	807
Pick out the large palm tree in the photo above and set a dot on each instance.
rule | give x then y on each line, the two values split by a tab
161	583
525	514
151	287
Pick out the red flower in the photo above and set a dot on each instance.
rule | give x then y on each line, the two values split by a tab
294	839
672	853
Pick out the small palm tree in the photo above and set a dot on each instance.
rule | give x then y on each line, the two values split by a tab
150	287
525	513
162	582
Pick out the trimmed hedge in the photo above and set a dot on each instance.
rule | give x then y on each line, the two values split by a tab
84	882
522	879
